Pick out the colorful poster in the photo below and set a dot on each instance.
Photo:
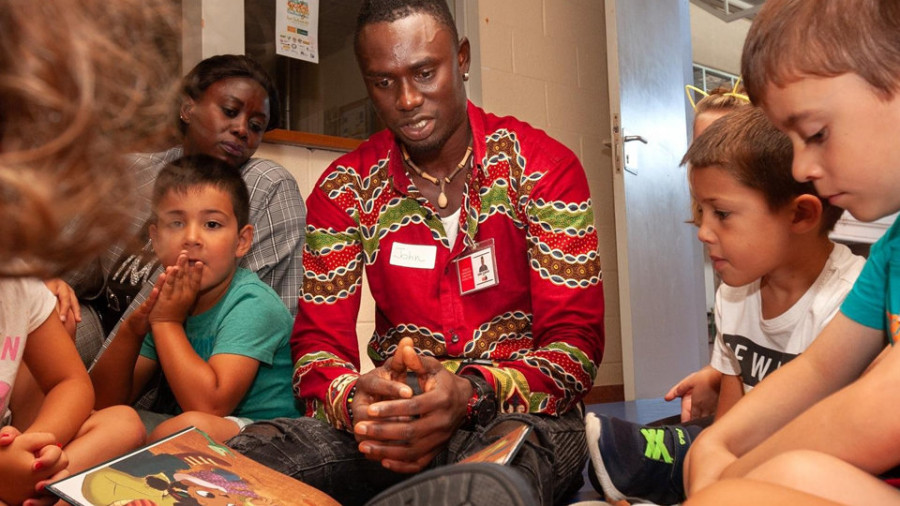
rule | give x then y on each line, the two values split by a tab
297	29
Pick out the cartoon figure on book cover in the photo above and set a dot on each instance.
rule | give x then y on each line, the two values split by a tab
169	480
187	469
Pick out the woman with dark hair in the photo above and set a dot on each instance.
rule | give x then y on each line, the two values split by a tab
227	103
219	72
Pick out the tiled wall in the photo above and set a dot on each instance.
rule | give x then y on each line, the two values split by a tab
307	165
542	61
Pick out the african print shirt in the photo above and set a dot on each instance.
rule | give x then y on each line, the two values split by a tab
541	326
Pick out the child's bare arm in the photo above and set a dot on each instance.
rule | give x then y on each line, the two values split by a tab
68	396
229	377
731	390
699	392
214	387
777	408
856	424
120	373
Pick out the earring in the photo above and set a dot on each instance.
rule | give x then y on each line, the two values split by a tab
183	118
465	76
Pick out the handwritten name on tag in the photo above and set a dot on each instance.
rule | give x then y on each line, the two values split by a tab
413	255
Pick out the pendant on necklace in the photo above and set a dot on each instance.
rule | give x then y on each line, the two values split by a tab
442	201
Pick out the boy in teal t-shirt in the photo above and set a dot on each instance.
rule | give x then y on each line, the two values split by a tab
249	320
219	335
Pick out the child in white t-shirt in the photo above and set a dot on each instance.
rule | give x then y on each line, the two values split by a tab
783	281
64	435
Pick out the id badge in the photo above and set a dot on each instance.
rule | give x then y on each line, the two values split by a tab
477	268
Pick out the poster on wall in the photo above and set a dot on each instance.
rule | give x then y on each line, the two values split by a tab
297	29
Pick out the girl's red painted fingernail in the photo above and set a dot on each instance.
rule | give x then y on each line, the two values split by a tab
58	444
38	466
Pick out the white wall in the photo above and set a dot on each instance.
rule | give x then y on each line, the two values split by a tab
210	28
544	61
306	165
717	44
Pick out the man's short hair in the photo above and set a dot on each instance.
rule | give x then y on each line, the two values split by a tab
789	38
192	171
759	156
388	11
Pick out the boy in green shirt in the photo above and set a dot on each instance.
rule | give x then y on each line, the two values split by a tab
218	334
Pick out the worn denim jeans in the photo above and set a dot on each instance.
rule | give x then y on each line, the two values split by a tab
315	453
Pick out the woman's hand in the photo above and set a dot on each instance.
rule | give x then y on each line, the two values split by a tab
66	304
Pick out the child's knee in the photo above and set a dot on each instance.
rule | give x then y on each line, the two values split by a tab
121	421
177	423
790	467
189	418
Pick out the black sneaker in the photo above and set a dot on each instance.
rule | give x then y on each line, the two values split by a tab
636	462
478	484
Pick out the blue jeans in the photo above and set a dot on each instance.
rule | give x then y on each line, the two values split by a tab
315	453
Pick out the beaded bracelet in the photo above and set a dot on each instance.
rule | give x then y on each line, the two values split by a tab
350	404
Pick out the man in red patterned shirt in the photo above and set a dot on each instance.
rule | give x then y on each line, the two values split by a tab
420	207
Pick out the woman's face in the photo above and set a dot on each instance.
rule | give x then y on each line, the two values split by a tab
228	121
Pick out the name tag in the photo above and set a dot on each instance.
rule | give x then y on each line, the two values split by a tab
415	256
477	270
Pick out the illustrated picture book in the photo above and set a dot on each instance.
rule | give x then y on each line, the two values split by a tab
503	449
187	468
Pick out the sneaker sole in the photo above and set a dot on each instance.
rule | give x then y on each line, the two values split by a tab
478	484
592	430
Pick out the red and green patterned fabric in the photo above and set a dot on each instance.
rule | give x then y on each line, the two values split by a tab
541	326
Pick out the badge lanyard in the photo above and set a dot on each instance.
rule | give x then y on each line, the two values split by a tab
477	268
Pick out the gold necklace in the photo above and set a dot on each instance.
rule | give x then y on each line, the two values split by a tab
442	198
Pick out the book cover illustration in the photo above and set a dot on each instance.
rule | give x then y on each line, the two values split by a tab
187	468
502	450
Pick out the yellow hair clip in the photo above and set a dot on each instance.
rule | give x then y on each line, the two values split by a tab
688	89
733	93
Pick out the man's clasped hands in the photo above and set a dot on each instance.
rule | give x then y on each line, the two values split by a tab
402	430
